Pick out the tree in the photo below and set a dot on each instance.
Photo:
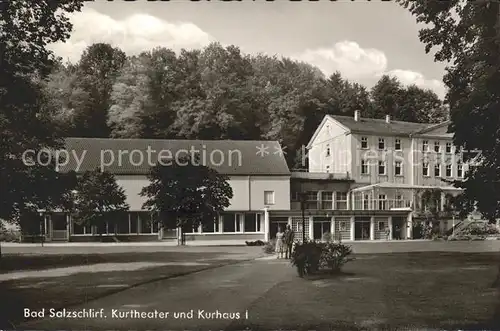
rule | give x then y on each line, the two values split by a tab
25	115
99	199
186	194
467	37
95	74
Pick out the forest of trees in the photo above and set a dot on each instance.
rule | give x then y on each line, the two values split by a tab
217	93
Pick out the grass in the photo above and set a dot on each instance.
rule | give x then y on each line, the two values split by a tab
389	291
70	290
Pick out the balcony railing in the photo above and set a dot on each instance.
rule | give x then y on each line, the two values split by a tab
380	204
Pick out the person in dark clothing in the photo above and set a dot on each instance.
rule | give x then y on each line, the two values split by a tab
397	232
289	237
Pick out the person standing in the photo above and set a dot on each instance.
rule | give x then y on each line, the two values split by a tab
289	237
279	243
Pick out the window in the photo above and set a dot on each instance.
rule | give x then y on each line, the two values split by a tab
320	228
364	167
269	197
381	167
397	144
252	222
448	147
364	142
341	200
211	227
122	226
437	170
448	170
399	201
312	200
381	143
437	147
382	201
80	229
425	146
327	168
343	226
425	169
326	200
398	168
229	222
327	150
381	226
133	223
460	170
366	202
102	228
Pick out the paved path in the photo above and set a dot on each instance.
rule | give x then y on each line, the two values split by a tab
244	252
225	289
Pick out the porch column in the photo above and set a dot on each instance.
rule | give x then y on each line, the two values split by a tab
290	221
266	224
442	201
334	200
311	227
349	207
68	226
352	229
372	228
332	227
409	224
389	221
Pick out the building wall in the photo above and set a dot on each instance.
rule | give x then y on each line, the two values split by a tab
331	136
433	158
248	191
373	155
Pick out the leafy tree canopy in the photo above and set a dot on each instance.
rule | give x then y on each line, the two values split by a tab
466	35
186	193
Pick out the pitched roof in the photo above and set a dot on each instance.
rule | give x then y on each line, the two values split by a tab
123	156
379	126
436	130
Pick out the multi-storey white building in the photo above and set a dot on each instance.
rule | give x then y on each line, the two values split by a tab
390	161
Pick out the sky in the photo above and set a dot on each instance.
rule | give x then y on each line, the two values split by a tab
363	40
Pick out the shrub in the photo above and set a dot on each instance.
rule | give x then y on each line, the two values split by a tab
255	243
306	257
270	247
10	235
334	256
327	237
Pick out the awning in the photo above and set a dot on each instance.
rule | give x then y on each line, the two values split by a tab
405	186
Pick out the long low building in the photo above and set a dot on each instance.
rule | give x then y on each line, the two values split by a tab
265	194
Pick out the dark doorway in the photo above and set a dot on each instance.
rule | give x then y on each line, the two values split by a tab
276	222
362	228
398	228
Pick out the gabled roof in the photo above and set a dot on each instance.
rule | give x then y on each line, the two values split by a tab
320	126
228	157
379	126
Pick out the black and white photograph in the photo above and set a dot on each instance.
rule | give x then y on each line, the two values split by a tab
249	165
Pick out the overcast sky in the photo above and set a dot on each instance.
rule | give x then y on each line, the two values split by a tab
362	40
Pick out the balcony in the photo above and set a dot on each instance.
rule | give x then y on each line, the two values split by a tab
380	204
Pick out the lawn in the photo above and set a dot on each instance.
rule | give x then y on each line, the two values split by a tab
387	291
66	291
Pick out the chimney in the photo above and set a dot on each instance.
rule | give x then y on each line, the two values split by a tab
357	115
387	118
